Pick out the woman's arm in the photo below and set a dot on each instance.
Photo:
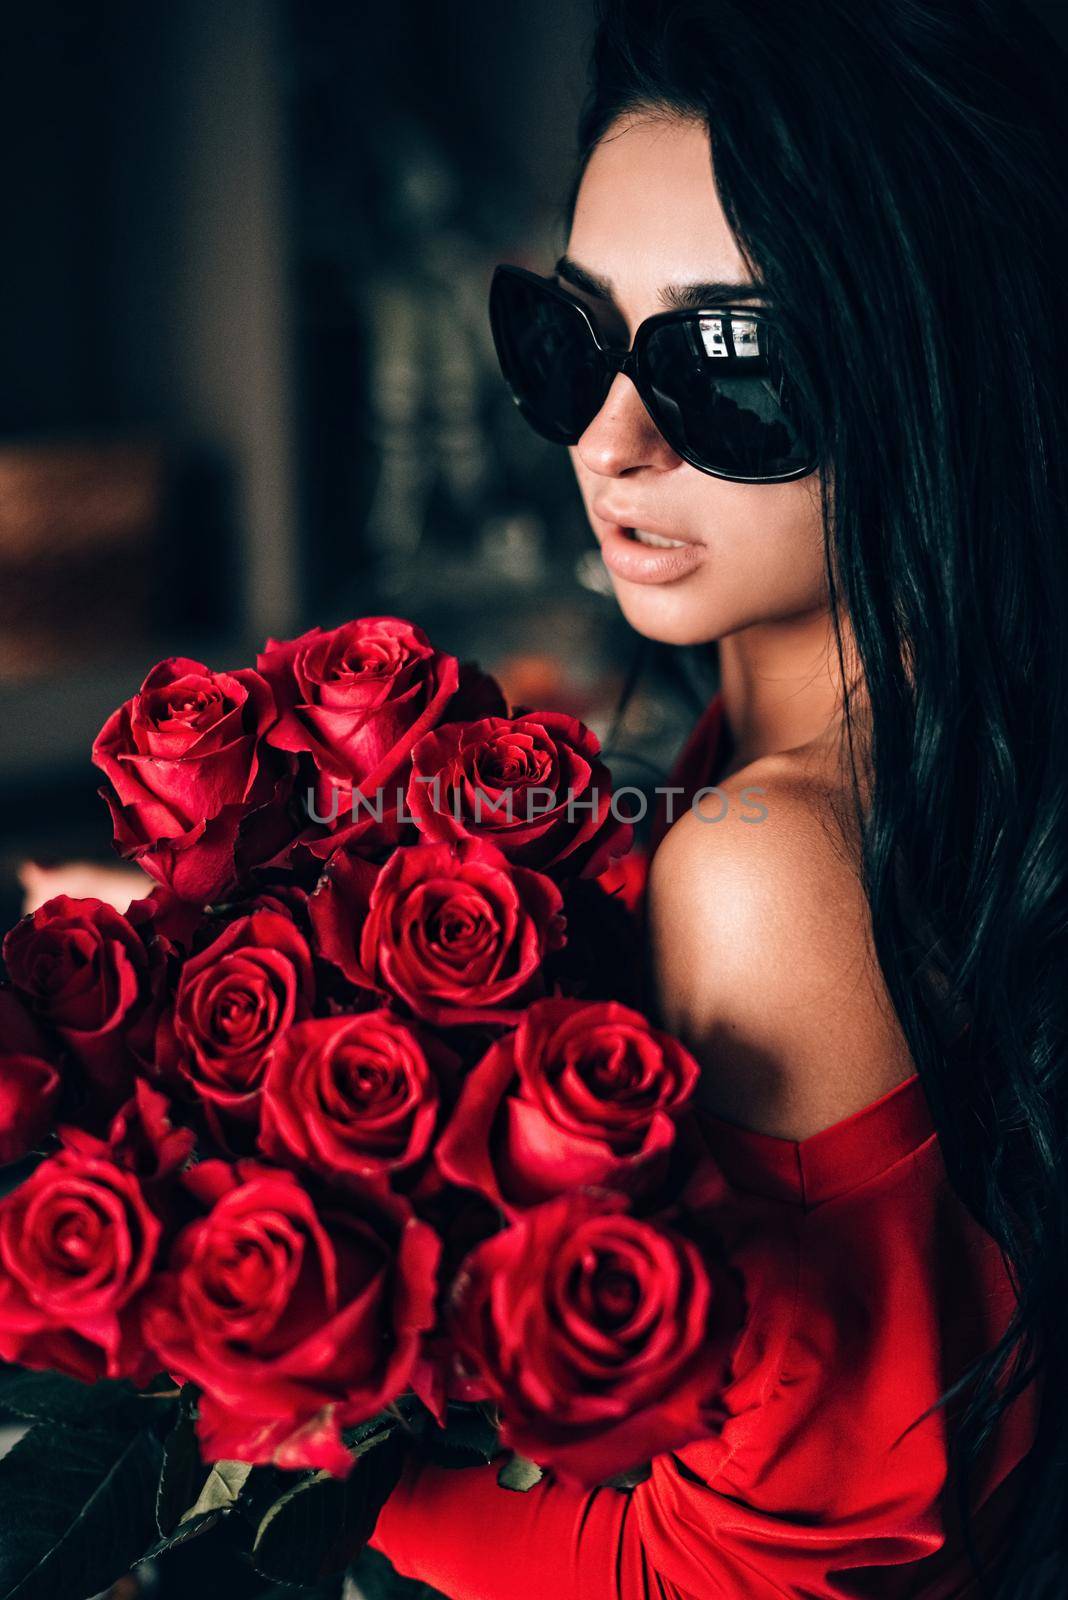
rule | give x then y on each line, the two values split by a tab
459	1531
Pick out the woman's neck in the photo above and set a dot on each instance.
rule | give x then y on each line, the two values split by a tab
782	686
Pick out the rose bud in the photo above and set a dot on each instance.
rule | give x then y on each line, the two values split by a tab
195	797
29	1082
235	999
534	785
167	924
78	1243
354	1095
605	1339
141	1139
578	1094
84	971
295	1318
455	932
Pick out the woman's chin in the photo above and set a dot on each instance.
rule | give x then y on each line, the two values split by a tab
667	613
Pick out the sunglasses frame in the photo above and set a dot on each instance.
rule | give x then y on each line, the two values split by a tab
629	362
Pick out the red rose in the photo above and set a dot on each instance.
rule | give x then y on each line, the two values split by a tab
84	970
77	1246
234	1002
356	699
192	798
455	932
29	1083
604	1338
533	784
296	1319
353	1094
579	1094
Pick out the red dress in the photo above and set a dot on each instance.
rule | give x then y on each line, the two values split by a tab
869	1289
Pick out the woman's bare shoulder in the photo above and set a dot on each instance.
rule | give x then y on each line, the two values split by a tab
762	956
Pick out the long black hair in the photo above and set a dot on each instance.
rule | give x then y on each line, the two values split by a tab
892	173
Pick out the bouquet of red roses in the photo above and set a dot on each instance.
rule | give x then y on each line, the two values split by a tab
351	1133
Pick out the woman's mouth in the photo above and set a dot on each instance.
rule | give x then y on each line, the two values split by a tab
656	541
641	556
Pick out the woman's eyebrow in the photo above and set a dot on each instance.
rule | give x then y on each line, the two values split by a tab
676	297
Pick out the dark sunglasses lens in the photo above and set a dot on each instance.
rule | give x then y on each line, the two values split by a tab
720	395
548	358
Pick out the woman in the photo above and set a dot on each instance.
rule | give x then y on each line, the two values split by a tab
872	530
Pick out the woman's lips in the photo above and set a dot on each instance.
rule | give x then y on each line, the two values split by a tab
641	563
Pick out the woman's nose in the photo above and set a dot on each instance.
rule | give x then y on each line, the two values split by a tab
623	435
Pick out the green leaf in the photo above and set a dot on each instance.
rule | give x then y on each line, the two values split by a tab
78	1510
468	1438
183	1533
224	1483
520	1474
319	1525
407	1410
108	1406
183	1469
370	1442
631	1479
363	1430
263	1486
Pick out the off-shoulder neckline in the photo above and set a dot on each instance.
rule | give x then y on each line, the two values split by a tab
807	1172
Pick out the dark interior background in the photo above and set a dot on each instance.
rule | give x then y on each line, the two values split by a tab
248	383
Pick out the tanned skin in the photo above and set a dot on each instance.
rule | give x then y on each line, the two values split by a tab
760	933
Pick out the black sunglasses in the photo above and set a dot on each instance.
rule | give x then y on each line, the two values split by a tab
714	381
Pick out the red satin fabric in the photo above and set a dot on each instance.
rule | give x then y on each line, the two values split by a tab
869	1289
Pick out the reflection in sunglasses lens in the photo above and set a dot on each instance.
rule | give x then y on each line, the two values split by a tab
716	384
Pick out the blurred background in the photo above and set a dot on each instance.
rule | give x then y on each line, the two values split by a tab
248	383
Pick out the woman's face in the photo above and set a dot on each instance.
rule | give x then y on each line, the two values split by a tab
648	218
